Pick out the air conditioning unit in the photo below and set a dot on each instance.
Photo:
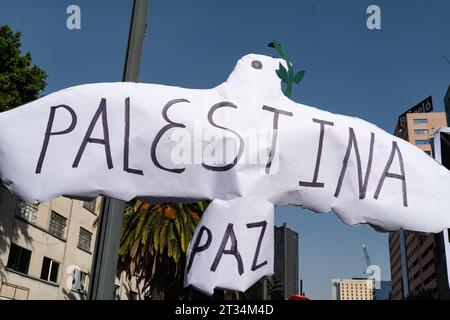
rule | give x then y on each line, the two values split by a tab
78	281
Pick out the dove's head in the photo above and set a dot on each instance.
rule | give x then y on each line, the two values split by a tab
255	75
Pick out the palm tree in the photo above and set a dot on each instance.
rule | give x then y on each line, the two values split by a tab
255	292
153	245
422	294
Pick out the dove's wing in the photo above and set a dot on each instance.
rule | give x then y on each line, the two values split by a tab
363	173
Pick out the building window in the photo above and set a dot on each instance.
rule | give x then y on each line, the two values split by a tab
420	121
419	142
90	205
84	240
428	280
428	264
50	270
79	280
57	225
27	211
421	131
19	258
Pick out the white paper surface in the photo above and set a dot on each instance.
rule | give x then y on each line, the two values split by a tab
232	247
167	143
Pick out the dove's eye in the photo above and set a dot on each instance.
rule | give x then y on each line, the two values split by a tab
256	64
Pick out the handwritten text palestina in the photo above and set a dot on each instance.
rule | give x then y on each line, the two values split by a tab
237	141
242	144
240	139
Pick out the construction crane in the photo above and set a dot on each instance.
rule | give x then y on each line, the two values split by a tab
366	255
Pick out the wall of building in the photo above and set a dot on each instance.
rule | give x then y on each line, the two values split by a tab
396	266
384	291
34	234
355	289
435	120
420	250
286	262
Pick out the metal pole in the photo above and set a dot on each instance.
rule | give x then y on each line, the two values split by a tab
301	287
264	284
106	252
135	46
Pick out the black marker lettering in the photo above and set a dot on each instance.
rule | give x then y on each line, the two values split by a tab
161	133
101	111
48	132
262	225
229	233
126	144
314	183
199	248
353	143
386	173
241	141
276	115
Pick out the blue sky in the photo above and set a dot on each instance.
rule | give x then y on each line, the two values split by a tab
372	74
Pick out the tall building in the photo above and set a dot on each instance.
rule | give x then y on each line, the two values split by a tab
398	264
413	256
286	259
384	291
442	154
46	249
447	104
352	289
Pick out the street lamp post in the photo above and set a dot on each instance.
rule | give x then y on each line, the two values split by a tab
106	251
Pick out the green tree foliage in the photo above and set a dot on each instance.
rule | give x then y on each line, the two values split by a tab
422	294
255	292
154	242
153	248
20	82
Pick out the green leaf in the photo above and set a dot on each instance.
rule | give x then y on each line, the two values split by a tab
282	73
298	77
288	91
163	236
290	70
277	47
283	53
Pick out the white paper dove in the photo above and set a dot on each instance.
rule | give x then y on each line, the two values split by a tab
242	144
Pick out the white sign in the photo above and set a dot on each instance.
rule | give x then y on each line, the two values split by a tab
232	247
242	139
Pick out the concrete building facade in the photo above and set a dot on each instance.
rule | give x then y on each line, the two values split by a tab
383	290
413	257
352	289
398	265
46	249
286	265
